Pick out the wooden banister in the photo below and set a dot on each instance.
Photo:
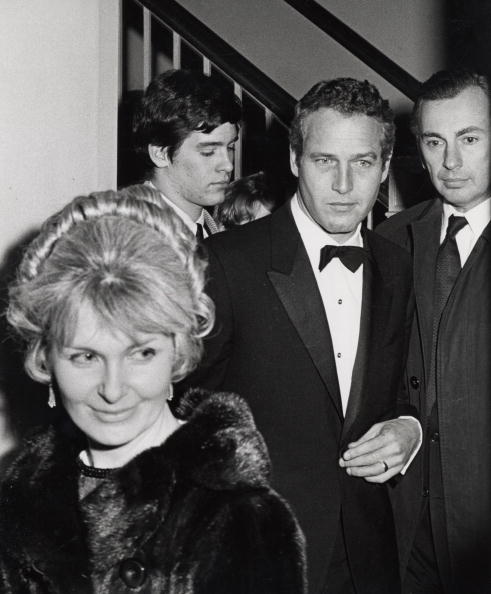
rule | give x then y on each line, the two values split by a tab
225	57
358	46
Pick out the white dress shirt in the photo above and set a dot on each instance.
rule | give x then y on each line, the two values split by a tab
186	219
477	219
341	293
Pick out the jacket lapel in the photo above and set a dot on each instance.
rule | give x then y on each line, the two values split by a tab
426	240
377	299
210	222
360	367
293	280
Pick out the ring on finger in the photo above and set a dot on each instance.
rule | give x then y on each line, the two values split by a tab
386	466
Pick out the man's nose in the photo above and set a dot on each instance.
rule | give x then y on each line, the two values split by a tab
226	162
452	157
343	182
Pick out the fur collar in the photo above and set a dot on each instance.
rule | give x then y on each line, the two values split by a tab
43	526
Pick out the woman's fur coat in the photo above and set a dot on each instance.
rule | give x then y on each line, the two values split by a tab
192	516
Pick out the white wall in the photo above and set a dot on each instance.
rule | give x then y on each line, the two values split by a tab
58	106
296	54
409	32
59	89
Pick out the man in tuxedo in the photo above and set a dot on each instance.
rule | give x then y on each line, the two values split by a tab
186	128
312	312
443	507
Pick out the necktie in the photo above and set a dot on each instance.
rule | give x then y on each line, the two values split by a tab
199	232
447	270
447	267
351	256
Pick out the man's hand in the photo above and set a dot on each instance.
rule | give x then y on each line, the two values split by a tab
383	451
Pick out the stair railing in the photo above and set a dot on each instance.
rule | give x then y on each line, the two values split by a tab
216	55
276	105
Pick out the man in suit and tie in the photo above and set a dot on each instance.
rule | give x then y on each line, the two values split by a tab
443	506
312	313
186	128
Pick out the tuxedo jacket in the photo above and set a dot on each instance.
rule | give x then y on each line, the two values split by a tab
463	399
271	344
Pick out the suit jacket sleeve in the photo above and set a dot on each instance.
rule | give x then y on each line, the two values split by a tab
401	403
404	408
218	345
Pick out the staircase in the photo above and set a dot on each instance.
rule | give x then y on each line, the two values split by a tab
158	35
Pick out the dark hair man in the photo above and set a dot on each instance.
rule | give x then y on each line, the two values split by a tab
444	504
311	319
187	127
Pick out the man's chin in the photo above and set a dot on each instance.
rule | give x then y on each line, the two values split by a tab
214	198
462	200
341	233
342	225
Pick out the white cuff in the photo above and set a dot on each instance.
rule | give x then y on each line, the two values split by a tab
418	445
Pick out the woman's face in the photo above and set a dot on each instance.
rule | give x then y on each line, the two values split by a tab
114	387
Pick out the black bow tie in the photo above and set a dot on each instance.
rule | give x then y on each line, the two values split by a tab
351	256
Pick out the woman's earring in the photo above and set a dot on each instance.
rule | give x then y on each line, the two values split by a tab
52	397
171	393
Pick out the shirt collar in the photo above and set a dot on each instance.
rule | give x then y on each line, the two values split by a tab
187	220
313	235
477	217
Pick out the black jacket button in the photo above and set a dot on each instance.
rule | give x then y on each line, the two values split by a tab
435	437
414	381
132	572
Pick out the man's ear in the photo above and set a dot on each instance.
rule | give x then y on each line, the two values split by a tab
385	168
159	155
420	152
293	162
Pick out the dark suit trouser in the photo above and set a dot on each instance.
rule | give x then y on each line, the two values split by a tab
339	579
422	574
428	569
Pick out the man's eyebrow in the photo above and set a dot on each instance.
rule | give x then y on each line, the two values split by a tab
322	154
211	143
467	130
431	134
371	154
470	129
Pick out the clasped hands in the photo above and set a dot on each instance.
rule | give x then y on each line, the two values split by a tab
383	451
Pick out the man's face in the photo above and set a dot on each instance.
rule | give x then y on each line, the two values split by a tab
454	139
340	169
200	170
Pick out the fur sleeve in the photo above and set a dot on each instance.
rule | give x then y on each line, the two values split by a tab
257	548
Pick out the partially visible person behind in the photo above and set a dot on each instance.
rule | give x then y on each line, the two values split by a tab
247	199
443	507
185	128
127	489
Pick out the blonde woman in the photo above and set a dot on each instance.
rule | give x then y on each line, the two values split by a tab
128	490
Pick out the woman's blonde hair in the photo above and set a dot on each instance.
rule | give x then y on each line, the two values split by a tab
131	258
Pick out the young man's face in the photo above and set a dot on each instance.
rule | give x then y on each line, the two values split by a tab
454	139
200	170
340	169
